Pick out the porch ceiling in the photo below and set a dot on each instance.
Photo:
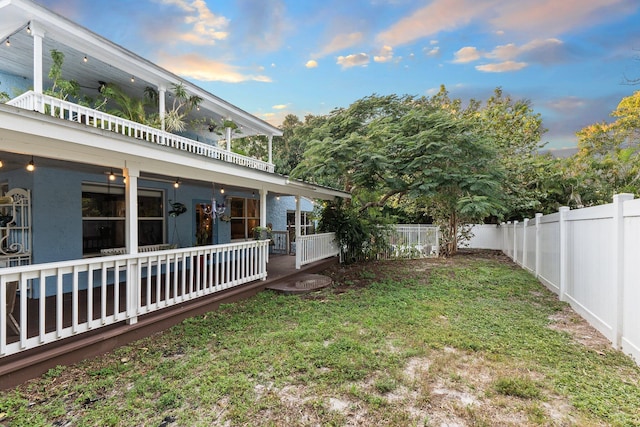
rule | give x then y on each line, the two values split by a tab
105	62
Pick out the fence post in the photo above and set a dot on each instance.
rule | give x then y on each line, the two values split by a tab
515	241
564	256
618	270
538	246
524	243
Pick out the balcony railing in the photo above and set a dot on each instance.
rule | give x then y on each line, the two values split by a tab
98	119
315	247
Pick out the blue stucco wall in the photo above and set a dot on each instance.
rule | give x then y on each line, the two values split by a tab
14	85
56	208
277	210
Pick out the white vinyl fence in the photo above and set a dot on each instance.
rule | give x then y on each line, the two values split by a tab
590	257
413	241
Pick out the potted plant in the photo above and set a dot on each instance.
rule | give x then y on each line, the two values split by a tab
262	233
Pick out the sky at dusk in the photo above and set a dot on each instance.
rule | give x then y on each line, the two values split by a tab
571	58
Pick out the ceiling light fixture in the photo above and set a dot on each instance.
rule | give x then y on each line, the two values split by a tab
1	164
112	176
133	79
31	166
177	183
85	59
221	190
28	29
8	42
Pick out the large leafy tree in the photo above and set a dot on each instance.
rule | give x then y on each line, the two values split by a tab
383	148
608	158
515	131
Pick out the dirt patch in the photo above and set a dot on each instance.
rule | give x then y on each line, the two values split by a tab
570	322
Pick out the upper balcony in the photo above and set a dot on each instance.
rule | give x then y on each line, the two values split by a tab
66	110
45	52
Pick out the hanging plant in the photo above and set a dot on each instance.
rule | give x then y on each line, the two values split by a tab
177	208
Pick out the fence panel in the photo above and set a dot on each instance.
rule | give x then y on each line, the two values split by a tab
590	268
412	241
529	251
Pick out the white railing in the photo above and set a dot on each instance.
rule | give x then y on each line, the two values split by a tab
589	258
73	112
412	241
92	293
315	247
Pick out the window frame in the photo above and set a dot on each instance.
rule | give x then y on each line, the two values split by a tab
120	216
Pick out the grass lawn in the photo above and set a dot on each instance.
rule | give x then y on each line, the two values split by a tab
469	341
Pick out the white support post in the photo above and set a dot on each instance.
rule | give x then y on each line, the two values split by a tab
263	207
618	269
524	243
270	149
162	105
228	138
297	227
538	246
131	173
38	35
564	252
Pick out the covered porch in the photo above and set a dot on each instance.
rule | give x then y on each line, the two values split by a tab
67	328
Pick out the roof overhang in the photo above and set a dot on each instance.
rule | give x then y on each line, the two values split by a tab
106	62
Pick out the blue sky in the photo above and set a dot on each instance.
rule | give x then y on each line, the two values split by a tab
570	58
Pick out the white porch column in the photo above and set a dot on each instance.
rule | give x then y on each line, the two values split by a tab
270	149
161	105
297	227
263	207
228	138
131	173
38	35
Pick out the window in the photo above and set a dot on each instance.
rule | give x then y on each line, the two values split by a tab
307	226
104	213
245	216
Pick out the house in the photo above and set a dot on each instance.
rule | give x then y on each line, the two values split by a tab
105	220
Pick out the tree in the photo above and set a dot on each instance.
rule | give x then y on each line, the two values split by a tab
383	148
608	157
515	131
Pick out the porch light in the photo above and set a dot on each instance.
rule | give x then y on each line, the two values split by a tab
177	183
222	190
133	79
85	59
28	29
112	176
8	42
31	166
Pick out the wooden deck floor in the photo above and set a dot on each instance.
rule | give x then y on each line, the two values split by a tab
17	368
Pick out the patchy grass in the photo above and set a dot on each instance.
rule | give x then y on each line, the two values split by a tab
468	341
